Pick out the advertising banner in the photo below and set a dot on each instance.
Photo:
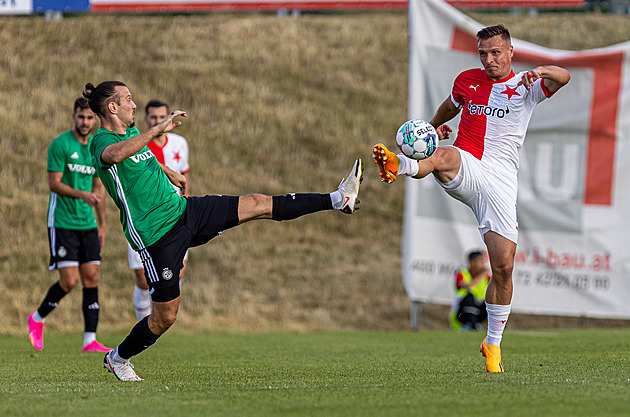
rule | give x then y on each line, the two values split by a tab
16	7
573	254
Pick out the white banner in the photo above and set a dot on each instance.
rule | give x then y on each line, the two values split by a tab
573	255
16	6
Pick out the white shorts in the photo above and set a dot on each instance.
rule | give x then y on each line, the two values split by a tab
134	258
490	192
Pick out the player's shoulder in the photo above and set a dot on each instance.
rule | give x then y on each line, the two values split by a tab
176	138
62	139
472	75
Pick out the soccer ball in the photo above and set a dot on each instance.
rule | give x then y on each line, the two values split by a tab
417	139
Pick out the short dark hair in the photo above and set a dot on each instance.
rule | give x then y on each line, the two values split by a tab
155	103
80	103
492	31
474	255
100	96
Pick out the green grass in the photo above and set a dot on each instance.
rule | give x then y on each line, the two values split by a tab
550	373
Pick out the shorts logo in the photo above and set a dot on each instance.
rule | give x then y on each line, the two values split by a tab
167	274
62	252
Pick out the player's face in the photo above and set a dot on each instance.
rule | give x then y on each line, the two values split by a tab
496	57
84	120
126	108
155	116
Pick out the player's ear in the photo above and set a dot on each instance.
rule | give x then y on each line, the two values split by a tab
112	107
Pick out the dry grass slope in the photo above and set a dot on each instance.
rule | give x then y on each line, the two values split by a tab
275	106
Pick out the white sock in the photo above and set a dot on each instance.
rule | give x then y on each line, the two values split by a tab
336	199
141	302
497	318
38	318
88	337
407	166
115	357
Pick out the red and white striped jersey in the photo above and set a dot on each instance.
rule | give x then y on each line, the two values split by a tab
495	115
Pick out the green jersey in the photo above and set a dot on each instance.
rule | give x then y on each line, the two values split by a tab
149	205
70	157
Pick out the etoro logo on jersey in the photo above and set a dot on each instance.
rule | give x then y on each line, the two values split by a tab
481	110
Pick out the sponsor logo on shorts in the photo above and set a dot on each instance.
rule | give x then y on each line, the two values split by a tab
167	274
62	252
481	110
94	306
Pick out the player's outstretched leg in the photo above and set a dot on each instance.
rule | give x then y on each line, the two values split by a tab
349	188
387	161
493	357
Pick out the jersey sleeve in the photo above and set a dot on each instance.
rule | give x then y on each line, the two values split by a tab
98	145
458	92
56	156
538	92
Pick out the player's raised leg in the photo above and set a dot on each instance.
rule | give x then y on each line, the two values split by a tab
498	297
294	205
443	164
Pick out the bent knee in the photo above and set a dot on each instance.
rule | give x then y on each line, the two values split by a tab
163	322
254	206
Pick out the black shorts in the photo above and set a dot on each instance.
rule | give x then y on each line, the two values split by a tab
73	247
203	219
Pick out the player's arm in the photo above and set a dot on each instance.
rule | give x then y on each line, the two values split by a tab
443	114
99	208
122	150
178	180
554	77
56	186
185	188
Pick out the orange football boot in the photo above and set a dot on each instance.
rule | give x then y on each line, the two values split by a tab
492	354
387	162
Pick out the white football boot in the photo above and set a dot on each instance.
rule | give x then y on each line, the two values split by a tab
349	188
123	370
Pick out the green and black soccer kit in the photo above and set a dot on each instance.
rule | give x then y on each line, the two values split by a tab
161	225
72	231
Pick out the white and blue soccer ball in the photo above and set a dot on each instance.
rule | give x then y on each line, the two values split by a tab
417	139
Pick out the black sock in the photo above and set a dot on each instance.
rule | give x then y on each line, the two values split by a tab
291	206
140	338
53	296
90	309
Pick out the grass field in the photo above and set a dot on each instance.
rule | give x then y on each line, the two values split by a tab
549	373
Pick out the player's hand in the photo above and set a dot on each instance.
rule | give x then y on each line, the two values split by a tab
178	180
169	124
444	132
530	77
91	199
